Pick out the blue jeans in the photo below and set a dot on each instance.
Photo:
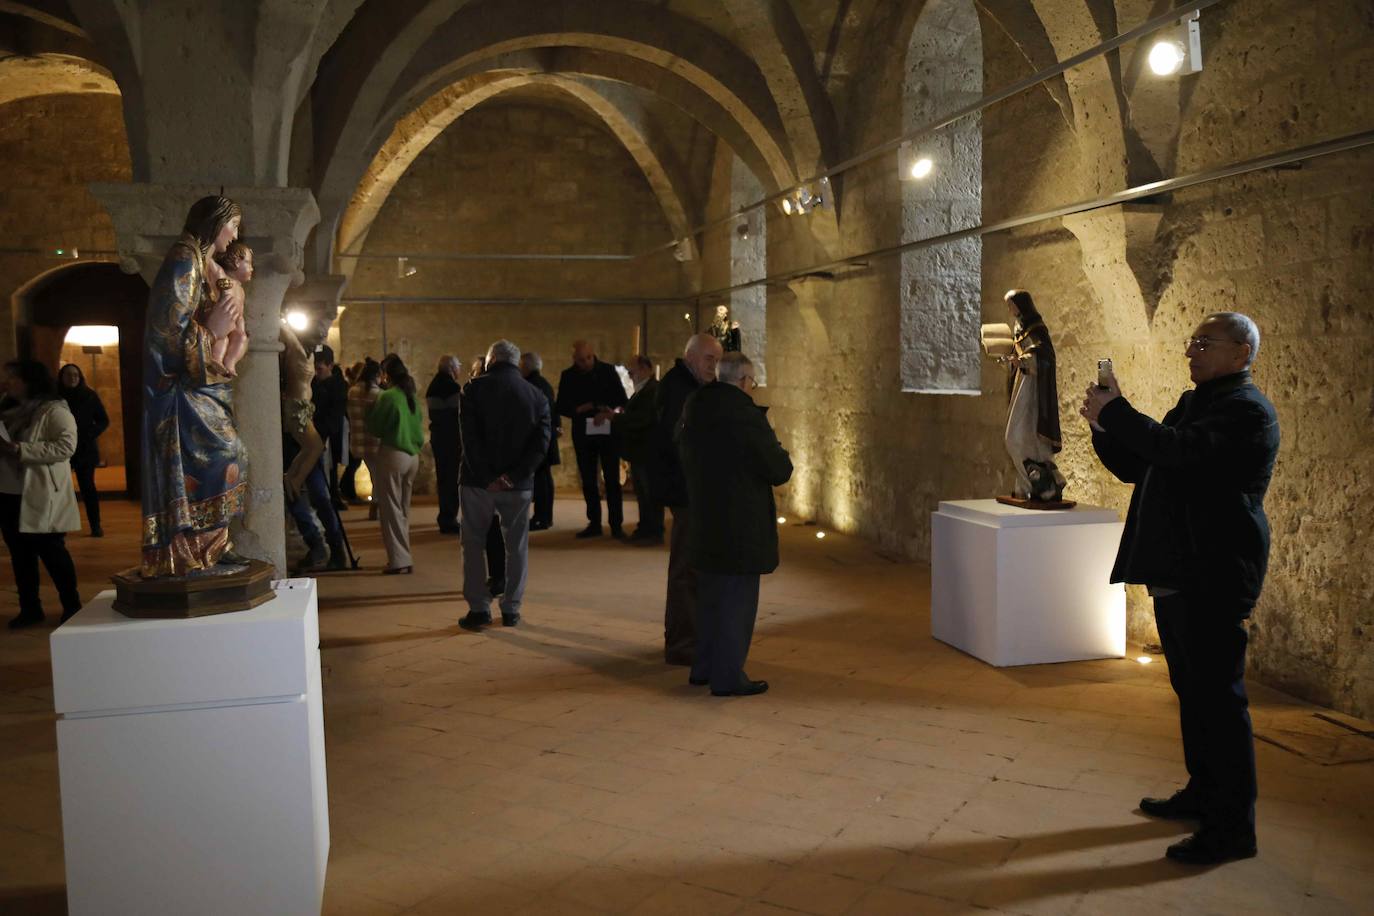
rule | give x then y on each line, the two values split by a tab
314	494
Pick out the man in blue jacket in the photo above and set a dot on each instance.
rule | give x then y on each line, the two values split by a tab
732	461
1196	535
506	431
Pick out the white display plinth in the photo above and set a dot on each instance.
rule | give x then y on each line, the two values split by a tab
1019	586
191	758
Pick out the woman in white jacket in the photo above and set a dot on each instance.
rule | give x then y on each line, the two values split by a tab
37	501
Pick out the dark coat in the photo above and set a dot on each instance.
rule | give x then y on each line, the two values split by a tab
538	381
506	428
601	386
91	421
1196	521
670	488
330	398
732	461
443	398
635	426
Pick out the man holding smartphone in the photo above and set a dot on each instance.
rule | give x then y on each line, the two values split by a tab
1196	535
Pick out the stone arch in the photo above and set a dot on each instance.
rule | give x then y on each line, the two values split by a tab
673	43
52	74
941	287
413	133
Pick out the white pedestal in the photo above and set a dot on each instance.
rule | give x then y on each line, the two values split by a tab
191	758
1016	586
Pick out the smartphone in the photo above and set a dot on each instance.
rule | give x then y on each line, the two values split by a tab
1104	372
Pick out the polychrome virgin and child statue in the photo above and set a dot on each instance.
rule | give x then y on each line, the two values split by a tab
195	475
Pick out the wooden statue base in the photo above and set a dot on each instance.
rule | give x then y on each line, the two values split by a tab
1036	503
235	588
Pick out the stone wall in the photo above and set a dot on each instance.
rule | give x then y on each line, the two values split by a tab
53	146
1293	248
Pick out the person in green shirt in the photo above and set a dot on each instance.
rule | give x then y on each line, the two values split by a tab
395	420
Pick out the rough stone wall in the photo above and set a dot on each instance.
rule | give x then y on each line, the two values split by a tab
53	146
518	177
1290	247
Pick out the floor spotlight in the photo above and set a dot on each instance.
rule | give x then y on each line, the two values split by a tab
1177	49
820	535
782	520
1144	659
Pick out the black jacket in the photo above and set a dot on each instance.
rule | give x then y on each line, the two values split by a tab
505	424
91	421
538	381
443	398
635	426
1196	521
666	478
732	461
330	398
601	386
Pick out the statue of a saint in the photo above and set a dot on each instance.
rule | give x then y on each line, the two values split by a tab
1032	435
725	330
195	478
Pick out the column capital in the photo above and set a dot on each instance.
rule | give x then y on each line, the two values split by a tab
318	294
148	218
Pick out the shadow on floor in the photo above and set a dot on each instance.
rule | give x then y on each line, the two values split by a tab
34	901
343	642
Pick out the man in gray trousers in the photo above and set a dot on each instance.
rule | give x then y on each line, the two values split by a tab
506	428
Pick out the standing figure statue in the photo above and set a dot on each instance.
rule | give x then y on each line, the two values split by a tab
1033	421
195	478
725	330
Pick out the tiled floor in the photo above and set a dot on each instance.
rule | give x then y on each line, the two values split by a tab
561	768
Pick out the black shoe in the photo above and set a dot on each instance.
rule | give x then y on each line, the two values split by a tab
698	681
26	620
591	531
496	587
1212	847
540	525
510	620
1181	806
97	532
747	689
450	529
475	622
618	533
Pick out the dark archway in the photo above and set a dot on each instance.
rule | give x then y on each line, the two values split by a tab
91	292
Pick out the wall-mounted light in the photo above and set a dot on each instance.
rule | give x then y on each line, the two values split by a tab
805	199
922	168
782	520
820	535
297	320
1178	49
914	164
65	252
742	230
682	251
404	269
93	335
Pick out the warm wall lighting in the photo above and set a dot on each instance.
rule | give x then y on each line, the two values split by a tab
1177	49
782	520
820	535
297	320
1144	659
922	167
93	335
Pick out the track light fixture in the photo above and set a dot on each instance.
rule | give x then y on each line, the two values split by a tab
682	251
804	199
403	269
1178	49
914	164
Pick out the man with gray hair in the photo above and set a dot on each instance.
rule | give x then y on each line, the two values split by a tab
505	425
442	401
732	461
1197	537
532	368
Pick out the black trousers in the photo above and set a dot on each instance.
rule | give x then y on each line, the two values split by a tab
680	609
85	482
603	451
650	509
26	551
727	606
543	495
1204	646
347	488
447	458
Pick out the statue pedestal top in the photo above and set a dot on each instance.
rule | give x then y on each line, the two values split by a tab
217	591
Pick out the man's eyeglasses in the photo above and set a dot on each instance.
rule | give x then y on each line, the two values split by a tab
1203	344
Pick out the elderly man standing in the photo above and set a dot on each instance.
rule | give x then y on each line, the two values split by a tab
635	427
590	394
532	367
732	461
442	400
1196	535
505	423
697	367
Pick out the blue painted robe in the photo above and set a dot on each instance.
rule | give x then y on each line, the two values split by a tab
195	478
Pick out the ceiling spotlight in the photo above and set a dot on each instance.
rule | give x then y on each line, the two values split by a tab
403	269
804	199
1177	49
922	167
297	320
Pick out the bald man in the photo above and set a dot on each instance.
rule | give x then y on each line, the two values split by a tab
697	367
589	394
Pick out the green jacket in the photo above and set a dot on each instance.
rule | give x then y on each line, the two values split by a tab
392	420
732	461
636	425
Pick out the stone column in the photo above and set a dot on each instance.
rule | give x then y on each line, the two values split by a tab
147	219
